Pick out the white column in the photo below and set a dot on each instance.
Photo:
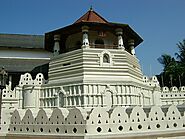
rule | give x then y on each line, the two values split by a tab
85	37
131	45
56	48
79	100
10	81
119	33
66	101
57	100
85	100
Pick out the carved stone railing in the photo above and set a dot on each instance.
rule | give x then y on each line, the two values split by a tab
98	121
26	79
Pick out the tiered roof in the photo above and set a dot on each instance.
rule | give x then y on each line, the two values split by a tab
21	41
95	22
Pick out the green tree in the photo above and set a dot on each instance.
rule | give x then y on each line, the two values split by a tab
173	69
167	61
181	54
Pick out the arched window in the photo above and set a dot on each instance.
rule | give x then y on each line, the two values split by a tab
106	58
99	41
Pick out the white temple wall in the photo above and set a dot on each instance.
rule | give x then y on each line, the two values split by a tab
91	95
34	93
5	119
86	65
66	68
87	81
154	120
31	96
122	66
9	98
49	97
173	95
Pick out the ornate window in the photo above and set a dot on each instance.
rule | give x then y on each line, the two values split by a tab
106	58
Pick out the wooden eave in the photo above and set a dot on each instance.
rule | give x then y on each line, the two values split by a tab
95	26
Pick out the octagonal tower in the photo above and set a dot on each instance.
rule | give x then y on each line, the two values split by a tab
95	64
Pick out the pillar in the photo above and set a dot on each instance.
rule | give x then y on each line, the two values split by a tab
119	33
10	81
56	100
56	48
131	45
85	41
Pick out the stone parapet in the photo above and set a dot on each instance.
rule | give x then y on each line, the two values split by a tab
98	121
172	95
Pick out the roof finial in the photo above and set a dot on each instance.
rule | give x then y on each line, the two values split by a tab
91	8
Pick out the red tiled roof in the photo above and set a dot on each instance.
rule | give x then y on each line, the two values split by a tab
91	16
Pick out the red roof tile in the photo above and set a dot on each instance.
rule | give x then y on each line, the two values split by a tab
91	16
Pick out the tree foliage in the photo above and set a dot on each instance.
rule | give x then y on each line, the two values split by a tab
173	68
181	55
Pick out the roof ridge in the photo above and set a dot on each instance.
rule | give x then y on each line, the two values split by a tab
88	17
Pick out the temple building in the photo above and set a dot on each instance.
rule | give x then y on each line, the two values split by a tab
96	64
95	87
22	53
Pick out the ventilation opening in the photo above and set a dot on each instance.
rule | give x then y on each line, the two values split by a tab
41	130
120	128
139	126
99	129
175	125
57	130
74	130
66	64
130	128
158	126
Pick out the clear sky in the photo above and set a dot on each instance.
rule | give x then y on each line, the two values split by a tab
161	23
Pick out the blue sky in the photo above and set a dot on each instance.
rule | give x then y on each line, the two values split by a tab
161	23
